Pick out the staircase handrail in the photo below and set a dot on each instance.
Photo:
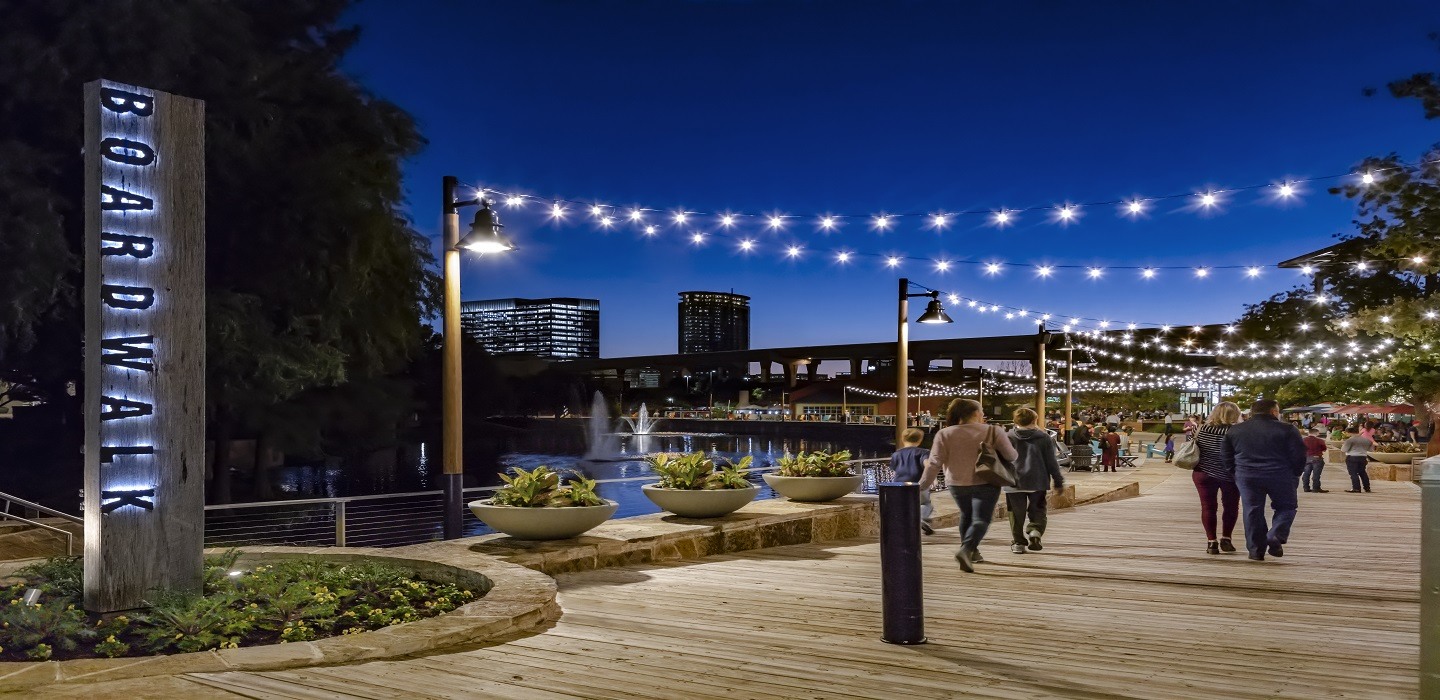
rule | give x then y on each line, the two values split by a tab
36	506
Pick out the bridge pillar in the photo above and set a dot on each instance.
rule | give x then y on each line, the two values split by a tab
792	369
811	370
765	371
857	367
921	363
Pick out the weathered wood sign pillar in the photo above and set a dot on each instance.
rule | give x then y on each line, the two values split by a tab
144	343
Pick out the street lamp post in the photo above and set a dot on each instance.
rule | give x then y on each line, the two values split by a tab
484	237
934	313
1069	388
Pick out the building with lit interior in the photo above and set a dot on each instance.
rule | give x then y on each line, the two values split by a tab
559	328
714	322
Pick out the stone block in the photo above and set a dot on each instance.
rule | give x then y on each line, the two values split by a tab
786	532
740	540
1379	471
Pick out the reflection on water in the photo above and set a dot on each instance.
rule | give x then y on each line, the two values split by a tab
411	467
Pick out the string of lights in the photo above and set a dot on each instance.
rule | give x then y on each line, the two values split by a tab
1063	213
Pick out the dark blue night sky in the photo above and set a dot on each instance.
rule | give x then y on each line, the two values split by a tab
844	107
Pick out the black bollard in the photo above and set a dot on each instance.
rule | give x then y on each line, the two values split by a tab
901	591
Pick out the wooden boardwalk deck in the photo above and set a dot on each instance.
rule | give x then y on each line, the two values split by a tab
1123	603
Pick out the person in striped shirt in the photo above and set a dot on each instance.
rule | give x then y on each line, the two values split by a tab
1215	482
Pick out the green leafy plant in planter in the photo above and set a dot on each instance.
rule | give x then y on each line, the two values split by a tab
1398	448
695	472
815	464
540	488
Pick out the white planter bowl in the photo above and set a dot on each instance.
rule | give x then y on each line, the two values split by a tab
1394	457
542	523
700	503
813	489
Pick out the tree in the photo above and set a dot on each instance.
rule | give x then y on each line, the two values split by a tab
314	277
1389	307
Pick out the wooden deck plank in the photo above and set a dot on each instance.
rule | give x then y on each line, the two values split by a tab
1122	603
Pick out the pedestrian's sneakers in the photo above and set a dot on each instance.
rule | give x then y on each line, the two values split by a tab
1035	542
1017	549
927	528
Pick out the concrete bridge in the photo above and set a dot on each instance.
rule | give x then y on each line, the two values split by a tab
791	359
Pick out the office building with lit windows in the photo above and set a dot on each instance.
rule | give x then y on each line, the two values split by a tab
714	322
557	329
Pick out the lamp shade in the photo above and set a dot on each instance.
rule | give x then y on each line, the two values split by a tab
484	235
934	313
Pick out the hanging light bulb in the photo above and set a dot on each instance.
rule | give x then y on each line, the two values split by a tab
1252	272
942	265
557	211
827	223
1148	273
680	218
1201	272
727	220
842	257
1135	207
939	221
777	222
1002	217
892	261
1044	270
1095	273
514	201
636	215
649	230
992	268
747	244
793	251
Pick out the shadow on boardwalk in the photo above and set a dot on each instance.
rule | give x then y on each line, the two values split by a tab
1122	603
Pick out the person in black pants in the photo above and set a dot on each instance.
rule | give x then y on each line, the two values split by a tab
1036	468
1356	447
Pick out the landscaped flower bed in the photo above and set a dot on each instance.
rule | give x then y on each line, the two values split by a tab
289	601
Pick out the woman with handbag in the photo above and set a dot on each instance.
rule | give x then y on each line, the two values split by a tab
1212	479
974	456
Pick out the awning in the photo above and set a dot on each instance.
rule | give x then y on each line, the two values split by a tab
1364	409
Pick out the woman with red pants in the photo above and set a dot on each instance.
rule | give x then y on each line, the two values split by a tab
1214	482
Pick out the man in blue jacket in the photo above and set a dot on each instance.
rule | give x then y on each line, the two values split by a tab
1267	457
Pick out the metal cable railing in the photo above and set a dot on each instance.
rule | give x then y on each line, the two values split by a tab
388	520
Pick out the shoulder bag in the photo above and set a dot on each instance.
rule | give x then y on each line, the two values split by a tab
1187	455
989	467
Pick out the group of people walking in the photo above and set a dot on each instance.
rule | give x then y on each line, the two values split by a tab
1254	462
1245	466
958	448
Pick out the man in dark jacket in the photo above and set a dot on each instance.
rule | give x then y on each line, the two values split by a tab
1267	457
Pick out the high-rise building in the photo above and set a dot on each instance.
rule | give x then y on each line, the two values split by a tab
557	329
714	321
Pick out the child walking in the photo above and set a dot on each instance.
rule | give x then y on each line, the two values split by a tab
908	463
1169	448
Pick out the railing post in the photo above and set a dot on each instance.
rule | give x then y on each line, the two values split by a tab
340	523
1430	578
902	601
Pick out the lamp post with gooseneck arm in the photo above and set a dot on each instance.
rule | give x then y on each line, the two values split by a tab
484	237
934	313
